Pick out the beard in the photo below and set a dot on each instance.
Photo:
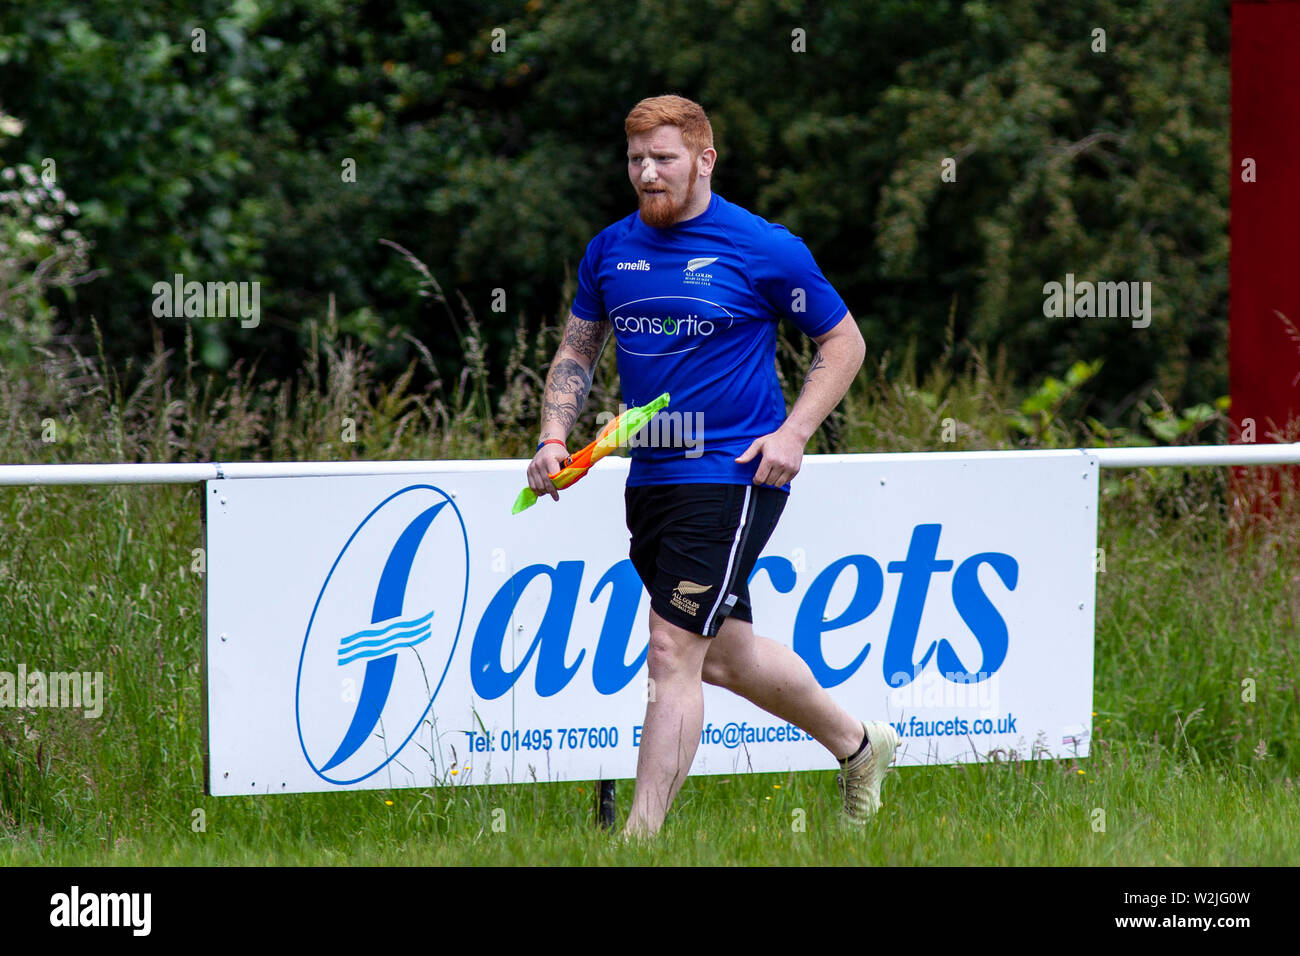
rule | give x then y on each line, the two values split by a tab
660	211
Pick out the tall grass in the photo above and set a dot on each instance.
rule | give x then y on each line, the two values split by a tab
1198	709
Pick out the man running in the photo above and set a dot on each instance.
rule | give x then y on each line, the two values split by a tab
693	288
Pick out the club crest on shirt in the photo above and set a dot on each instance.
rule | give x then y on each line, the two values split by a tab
692	275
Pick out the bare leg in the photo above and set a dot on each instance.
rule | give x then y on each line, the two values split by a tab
674	719
778	680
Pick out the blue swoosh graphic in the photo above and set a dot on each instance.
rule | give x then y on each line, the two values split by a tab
389	597
381	641
352	648
395	626
388	646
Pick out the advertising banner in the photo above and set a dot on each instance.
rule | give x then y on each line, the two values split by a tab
409	631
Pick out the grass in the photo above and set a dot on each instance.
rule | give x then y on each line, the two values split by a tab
1197	736
1158	810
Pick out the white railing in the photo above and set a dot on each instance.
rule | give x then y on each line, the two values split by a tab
156	474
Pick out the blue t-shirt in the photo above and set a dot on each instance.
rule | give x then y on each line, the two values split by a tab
695	309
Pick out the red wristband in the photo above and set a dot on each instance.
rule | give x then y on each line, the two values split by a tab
551	441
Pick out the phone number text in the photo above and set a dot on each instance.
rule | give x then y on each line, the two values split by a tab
563	738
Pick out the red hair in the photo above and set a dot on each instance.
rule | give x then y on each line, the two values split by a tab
686	115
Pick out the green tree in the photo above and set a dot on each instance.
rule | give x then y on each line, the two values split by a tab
487	139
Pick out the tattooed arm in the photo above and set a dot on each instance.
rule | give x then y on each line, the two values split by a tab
569	379
567	385
839	356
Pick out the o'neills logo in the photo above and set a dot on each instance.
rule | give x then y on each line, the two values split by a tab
639	266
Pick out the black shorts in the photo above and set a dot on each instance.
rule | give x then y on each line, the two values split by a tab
694	547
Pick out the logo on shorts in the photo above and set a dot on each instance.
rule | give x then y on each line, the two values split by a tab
683	603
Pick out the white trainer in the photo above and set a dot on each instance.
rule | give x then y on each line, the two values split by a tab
860	780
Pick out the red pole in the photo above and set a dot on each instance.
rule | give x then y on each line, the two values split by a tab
1264	257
